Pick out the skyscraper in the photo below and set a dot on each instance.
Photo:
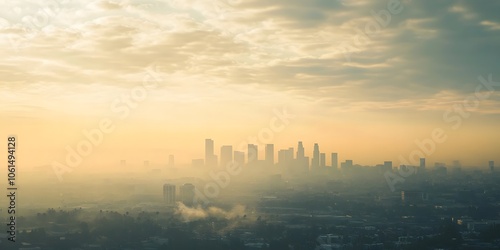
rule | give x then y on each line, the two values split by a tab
335	161
187	194
253	153
492	166
270	154
300	151
315	159
226	155
210	158
322	161
169	194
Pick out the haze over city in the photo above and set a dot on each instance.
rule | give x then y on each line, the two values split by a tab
250	124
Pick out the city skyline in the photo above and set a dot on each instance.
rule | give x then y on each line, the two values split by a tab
269	153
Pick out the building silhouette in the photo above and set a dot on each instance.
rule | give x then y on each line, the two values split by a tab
253	153
187	194
210	157
169	194
322	160
422	163
492	166
300	151
315	159
335	161
269	154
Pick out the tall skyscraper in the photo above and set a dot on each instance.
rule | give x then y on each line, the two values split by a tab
226	155
270	154
492	166
187	194
282	156
335	161
210	157
322	161
315	159
300	151
239	158
209	148
253	153
169	194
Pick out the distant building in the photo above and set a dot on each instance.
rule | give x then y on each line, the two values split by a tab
300	151
146	164
187	194
253	153
123	163
347	164
322	160
270	154
226	155
169	194
210	157
335	161
315	159
282	156
422	163
492	166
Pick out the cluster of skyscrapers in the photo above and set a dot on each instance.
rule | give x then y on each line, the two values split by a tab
286	157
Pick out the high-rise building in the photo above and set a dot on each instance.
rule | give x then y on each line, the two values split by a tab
123	163
209	148
187	194
270	154
289	155
253	153
346	165
282	154
335	161
210	157
492	166
146	164
239	158
322	161
300	151
169	194
315	159
226	155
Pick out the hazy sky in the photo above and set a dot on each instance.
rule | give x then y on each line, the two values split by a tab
362	78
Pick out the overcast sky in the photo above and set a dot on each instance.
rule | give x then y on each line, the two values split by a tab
363	78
